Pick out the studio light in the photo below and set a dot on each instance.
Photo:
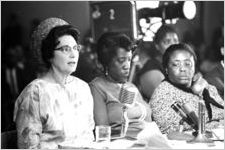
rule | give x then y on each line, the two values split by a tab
181	9
189	9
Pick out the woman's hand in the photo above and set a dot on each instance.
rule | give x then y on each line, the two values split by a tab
199	84
134	112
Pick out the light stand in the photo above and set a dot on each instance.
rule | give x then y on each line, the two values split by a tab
201	138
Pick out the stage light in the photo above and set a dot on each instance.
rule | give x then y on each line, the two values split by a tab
189	9
181	9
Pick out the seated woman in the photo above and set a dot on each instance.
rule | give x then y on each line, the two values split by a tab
56	106
112	91
151	75
183	85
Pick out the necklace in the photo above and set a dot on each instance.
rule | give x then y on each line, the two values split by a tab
58	79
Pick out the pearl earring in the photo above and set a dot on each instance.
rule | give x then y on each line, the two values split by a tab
106	71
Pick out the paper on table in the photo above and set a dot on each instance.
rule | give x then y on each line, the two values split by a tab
116	144
218	133
152	137
78	144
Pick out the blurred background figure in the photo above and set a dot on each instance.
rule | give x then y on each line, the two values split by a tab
151	74
14	76
88	65
212	53
216	75
13	33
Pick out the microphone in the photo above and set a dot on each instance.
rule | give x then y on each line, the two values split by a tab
127	95
191	114
187	115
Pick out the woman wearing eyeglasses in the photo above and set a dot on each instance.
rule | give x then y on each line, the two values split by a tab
55	107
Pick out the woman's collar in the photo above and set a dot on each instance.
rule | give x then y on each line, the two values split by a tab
179	86
109	78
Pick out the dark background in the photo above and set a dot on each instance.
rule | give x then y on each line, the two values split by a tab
209	15
202	32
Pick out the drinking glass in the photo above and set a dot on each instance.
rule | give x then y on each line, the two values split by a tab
103	133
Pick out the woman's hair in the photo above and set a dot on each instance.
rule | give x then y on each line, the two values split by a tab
162	31
177	47
108	44
51	41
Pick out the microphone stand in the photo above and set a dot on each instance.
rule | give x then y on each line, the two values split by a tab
125	122
201	138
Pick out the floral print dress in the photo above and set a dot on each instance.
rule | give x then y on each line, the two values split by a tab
49	113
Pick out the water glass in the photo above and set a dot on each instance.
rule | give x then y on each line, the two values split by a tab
103	133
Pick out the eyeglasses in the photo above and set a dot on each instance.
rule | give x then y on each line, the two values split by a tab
67	49
177	64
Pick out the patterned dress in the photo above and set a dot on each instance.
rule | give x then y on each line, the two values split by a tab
49	113
166	94
151	64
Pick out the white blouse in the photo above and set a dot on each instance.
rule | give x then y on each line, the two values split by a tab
49	113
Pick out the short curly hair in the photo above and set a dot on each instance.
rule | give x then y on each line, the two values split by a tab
108	44
51	41
176	47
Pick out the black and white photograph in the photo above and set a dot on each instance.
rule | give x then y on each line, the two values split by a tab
142	74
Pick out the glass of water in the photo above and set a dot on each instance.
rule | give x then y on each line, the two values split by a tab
103	133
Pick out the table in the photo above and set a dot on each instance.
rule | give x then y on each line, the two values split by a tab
129	144
149	138
217	138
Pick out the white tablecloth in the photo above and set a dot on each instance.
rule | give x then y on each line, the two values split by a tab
149	138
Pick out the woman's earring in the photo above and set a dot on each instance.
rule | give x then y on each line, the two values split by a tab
106	71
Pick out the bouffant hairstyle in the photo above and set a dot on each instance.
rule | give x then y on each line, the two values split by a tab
108	44
51	41
40	32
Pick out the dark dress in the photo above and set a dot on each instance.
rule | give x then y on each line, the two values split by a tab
8	97
216	78
151	64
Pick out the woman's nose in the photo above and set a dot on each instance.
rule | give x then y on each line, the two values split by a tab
183	68
73	53
127	65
